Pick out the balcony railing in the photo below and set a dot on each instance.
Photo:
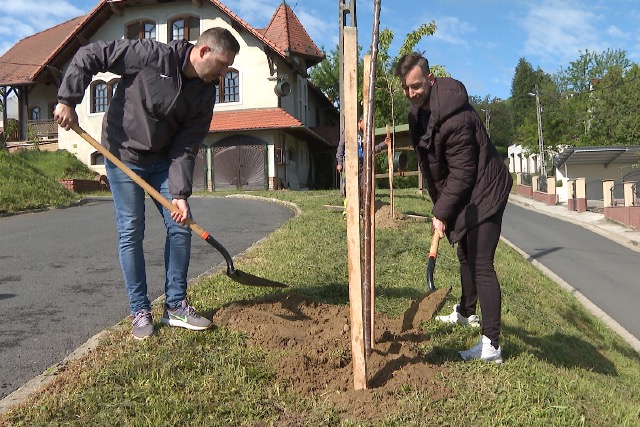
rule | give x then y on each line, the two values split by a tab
42	129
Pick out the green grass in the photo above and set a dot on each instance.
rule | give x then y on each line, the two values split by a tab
56	165
29	179
25	185
563	367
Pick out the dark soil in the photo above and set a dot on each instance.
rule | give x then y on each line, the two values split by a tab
313	343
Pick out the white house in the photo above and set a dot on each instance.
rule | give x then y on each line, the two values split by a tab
271	127
520	160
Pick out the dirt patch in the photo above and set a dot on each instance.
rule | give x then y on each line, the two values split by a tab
385	218
314	342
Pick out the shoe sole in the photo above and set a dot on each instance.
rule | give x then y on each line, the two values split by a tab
181	324
497	361
141	338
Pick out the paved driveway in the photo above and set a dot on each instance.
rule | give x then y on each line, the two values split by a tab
60	280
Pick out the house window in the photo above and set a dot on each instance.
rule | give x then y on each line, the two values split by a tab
184	27
141	30
228	90
36	113
99	97
97	159
101	94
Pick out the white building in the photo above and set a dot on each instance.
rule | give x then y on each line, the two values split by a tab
271	127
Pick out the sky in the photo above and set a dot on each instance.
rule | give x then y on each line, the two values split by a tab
479	42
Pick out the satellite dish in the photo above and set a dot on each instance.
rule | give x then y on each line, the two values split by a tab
282	88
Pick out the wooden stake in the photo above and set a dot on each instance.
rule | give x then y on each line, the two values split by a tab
350	104
390	155
368	214
370	99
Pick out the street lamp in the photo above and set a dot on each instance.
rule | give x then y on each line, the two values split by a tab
487	120
543	165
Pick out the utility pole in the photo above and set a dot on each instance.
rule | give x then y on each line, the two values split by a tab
543	164
487	119
346	10
346	18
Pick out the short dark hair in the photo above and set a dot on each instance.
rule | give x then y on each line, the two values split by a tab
219	40
407	62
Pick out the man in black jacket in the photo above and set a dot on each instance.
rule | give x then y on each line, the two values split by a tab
155	123
469	185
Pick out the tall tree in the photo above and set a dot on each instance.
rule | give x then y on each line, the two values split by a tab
524	80
589	68
495	113
615	109
391	104
326	75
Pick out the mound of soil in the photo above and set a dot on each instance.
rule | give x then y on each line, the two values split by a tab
313	341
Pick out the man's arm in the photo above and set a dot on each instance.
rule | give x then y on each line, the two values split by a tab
340	152
117	56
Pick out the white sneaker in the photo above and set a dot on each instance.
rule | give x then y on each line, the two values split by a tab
456	318
483	350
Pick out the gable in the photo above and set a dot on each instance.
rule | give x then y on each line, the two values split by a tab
50	49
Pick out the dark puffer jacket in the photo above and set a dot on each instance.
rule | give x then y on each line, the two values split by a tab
465	176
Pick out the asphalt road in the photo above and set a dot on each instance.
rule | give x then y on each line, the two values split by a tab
602	270
60	279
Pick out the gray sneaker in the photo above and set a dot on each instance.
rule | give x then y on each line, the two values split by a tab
142	324
185	316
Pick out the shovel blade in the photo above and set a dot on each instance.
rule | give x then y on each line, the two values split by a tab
431	267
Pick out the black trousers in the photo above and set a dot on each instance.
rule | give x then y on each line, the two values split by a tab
479	281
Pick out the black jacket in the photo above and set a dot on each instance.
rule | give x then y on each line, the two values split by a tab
156	114
465	175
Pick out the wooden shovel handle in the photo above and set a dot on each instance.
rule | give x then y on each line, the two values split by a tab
141	182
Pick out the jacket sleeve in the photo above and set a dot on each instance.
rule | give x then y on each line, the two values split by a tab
379	147
118	56
184	150
461	154
340	150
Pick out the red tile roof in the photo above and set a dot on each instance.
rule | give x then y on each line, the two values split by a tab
286	31
263	118
26	58
331	134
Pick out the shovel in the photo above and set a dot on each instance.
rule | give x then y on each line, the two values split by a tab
431	263
236	275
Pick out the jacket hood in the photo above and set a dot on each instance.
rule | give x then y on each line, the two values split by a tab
448	96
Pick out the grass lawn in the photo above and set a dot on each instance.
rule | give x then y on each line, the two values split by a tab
563	367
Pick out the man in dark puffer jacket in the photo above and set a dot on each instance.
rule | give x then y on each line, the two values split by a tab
469	185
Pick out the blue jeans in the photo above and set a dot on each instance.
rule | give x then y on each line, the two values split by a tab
129	203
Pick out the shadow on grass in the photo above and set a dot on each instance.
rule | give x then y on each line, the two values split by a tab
562	350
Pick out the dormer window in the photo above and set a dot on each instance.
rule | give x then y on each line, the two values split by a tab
184	27
141	30
228	90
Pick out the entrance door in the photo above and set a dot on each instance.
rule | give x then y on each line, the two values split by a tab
239	167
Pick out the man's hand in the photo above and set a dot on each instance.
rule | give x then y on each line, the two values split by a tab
438	226
65	115
181	215
339	168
